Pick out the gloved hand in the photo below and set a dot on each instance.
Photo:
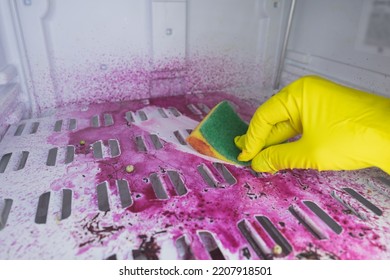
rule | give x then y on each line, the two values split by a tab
341	129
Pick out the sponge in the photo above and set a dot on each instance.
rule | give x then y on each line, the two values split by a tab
214	136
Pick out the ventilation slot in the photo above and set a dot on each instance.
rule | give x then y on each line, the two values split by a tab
72	124
324	216
111	258
43	206
210	245
95	122
179	137
142	116
23	160
5	209
140	143
34	127
177	183
20	129
58	126
52	157
225	173
114	147
254	240
69	157
183	249
158	187
364	201
108	120
204	108
4	162
162	113
124	193
102	197
350	204
129	117
97	150
274	233
156	141
306	221
207	176
174	111
194	109
66	209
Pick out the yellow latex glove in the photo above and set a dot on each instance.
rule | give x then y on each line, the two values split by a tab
342	129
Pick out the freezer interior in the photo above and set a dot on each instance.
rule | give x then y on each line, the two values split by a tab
98	97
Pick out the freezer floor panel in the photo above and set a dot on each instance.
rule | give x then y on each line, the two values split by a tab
118	181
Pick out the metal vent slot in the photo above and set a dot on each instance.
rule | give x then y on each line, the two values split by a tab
4	162
349	204
58	126
52	157
97	149
254	240
69	157
179	137
156	141
177	182
142	116
204	108
124	193
102	197
183	249
43	206
225	173
207	176
307	222
140	143
66	209
34	127
275	234
174	111
23	160
189	131
162	113
108	120
194	109
114	147
211	245
4	213
72	124
95	122
158	187
20	129
111	258
324	216
364	201
139	255
129	116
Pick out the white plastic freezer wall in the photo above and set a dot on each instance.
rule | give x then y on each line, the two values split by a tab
60	52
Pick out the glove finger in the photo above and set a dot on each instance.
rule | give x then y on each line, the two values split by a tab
283	156
280	133
280	108
239	141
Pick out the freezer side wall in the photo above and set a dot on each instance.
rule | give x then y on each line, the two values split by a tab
347	41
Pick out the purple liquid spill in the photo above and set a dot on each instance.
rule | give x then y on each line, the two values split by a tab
215	210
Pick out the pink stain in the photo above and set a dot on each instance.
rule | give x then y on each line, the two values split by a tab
214	210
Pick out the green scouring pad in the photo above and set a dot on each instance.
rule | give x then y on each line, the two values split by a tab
214	136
